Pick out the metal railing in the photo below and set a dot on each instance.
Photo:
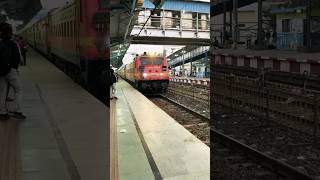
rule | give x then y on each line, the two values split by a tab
188	55
173	23
245	29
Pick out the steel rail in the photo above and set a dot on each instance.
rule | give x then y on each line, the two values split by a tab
270	163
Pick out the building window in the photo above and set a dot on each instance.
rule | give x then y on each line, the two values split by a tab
285	25
155	19
176	19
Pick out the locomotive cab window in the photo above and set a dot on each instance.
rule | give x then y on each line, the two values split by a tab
146	61
157	61
153	60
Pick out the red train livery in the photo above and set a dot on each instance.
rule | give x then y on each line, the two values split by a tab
75	37
147	72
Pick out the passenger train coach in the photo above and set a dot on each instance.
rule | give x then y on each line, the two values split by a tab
148	72
75	38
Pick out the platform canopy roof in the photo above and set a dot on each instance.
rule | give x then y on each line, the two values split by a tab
123	16
22	12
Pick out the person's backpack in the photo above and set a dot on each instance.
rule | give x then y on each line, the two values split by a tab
5	57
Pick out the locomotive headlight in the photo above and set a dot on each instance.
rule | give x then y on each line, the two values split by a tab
144	74
161	74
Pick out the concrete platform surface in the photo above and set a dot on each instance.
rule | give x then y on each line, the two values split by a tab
173	153
65	134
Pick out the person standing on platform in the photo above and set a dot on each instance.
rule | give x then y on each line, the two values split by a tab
104	85
10	59
113	79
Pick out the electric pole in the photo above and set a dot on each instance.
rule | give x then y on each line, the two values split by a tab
308	25
259	33
235	21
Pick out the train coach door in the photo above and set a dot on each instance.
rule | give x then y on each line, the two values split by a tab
76	29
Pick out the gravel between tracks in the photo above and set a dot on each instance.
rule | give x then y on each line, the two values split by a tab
283	143
193	124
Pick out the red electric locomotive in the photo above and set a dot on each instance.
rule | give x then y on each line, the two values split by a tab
147	72
75	37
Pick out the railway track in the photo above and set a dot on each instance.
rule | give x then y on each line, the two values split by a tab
192	121
292	106
231	159
289	146
277	120
195	97
287	106
295	80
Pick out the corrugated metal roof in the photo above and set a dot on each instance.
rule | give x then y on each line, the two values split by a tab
40	15
179	5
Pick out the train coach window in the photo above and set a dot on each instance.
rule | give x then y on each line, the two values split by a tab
64	29
67	29
71	28
62	25
59	30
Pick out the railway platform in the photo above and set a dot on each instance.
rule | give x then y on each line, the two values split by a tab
276	60
65	135
151	144
191	80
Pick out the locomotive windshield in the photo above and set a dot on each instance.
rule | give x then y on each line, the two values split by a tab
151	60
